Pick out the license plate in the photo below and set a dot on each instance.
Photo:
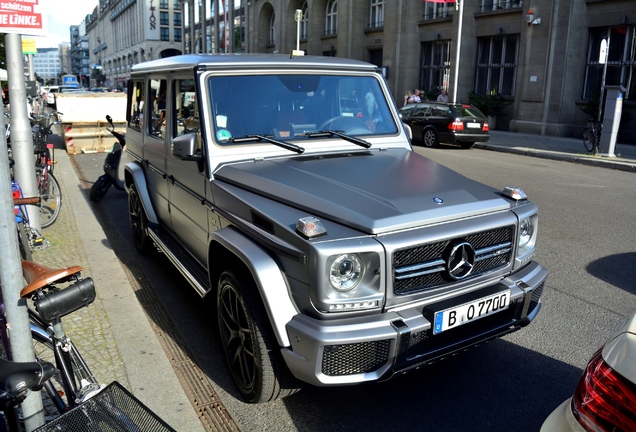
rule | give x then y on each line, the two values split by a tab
473	125
472	311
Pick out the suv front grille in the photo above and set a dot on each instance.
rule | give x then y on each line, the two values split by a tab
424	267
350	359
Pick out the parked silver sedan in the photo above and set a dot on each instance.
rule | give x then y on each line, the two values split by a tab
605	397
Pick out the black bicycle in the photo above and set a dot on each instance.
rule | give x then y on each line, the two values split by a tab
592	136
79	401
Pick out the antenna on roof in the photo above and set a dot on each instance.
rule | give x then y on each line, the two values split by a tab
298	16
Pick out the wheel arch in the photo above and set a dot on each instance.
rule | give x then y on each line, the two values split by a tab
228	247
134	175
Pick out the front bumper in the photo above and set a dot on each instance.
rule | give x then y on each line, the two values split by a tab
371	348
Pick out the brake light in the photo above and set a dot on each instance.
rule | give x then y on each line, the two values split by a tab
485	127
603	399
457	125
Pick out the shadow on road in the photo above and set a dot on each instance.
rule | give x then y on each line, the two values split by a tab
617	270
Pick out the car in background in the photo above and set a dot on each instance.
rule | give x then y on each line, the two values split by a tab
605	397
49	96
435	122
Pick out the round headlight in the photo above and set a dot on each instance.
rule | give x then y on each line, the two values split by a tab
345	272
526	231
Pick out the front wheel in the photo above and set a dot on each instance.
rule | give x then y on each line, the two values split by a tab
51	200
430	138
138	221
251	352
99	189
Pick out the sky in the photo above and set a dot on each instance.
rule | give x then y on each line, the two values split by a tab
61	15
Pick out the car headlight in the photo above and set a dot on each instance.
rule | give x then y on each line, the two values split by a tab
526	238
526	232
346	272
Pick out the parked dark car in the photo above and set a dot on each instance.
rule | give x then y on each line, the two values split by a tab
435	122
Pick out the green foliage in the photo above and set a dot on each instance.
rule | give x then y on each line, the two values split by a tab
490	104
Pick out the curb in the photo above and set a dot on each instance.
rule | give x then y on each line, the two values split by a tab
598	161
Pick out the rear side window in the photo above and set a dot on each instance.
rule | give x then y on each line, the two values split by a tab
136	107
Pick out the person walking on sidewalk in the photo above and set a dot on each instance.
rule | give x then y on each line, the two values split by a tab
443	97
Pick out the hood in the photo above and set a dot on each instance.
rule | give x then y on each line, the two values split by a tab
375	191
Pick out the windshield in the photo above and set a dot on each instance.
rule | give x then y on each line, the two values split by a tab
292	106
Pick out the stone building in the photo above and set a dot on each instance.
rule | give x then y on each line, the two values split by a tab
541	56
123	33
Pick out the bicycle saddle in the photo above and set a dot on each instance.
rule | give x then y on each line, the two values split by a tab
17	378
38	276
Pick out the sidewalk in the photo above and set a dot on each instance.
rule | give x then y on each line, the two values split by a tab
113	334
566	149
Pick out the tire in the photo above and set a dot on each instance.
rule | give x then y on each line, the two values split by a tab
466	145
588	140
23	240
51	201
99	189
250	349
138	221
429	138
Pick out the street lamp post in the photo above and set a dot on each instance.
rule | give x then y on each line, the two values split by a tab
298	16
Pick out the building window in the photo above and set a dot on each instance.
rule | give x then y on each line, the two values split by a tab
376	18
177	19
621	62
164	34
304	22
272	30
435	10
164	18
435	66
163	4
331	20
177	35
176	5
491	5
497	65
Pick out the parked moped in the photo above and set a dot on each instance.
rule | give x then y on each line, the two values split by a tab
111	167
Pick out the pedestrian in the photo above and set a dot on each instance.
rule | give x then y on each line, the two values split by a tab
408	96
443	97
416	97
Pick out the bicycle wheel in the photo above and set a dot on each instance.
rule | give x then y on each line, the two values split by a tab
72	378
23	240
51	199
589	139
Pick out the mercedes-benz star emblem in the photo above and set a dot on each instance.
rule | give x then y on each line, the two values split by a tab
461	260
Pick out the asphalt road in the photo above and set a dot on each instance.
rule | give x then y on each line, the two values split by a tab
587	226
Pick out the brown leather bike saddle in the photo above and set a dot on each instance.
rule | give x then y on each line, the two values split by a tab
38	276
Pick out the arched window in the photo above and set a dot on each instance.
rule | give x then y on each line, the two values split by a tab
304	22
331	21
272	21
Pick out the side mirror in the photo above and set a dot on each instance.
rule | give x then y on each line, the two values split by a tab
185	147
109	119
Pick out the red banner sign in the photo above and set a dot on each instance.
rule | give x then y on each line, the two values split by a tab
23	17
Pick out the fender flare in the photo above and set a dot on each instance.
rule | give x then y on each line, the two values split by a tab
271	283
134	174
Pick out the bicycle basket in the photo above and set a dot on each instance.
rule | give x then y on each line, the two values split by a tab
114	409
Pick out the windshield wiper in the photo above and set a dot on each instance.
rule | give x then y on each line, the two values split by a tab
330	133
287	146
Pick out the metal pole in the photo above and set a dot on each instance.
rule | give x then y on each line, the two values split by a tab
459	48
11	281
600	103
21	138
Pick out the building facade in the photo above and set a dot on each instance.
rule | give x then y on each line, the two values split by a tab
122	33
47	65
78	54
540	57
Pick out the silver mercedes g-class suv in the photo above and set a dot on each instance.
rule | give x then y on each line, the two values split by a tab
286	191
